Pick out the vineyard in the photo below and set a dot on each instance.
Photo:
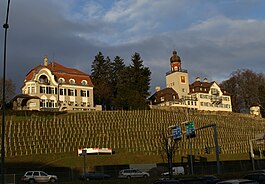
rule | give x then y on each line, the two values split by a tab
128	132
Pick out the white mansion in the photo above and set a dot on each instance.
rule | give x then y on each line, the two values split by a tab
52	86
200	95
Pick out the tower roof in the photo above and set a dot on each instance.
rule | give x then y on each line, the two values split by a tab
175	58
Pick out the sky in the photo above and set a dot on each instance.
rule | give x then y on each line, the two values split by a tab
213	37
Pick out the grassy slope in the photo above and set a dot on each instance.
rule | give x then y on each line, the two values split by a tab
233	130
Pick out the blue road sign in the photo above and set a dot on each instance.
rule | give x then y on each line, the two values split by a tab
176	133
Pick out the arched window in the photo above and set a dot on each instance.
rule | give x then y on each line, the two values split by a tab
71	81
61	80
43	79
84	82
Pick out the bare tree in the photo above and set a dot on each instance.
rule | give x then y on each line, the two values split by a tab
168	147
245	88
9	90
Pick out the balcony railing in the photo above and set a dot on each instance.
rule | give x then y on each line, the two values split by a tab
181	70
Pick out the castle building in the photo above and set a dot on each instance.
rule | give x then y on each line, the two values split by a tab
199	95
52	86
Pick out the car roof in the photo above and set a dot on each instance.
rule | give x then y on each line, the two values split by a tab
235	180
258	171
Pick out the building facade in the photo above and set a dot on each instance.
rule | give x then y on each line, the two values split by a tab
52	86
199	95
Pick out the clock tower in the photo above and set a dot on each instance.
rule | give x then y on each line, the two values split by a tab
177	78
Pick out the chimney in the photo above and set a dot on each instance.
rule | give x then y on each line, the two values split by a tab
157	88
205	80
198	79
45	61
53	64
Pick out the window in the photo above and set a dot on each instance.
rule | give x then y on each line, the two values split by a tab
52	90
42	103
71	81
48	90
61	80
87	94
214	91
42	89
32	89
83	93
29	173
71	92
84	82
162	99
52	104
62	91
36	174
43	174
43	79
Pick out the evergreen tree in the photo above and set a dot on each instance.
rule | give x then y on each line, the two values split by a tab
117	67
101	77
140	76
133	85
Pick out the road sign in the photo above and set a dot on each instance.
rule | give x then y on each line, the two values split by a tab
176	133
190	129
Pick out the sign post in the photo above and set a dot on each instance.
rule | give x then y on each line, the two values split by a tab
84	155
190	133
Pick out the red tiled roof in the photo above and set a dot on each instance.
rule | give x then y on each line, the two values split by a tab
62	72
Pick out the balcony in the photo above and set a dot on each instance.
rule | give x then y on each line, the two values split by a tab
181	70
216	100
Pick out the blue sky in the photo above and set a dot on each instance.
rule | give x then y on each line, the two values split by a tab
212	37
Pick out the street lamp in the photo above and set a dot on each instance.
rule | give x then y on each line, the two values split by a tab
5	26
251	150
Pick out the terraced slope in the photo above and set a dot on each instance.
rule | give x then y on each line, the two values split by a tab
127	131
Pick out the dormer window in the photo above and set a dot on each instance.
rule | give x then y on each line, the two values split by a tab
71	81
43	79
84	82
61	80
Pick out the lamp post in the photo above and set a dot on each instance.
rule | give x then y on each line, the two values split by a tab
251	150
252	154
5	26
84	155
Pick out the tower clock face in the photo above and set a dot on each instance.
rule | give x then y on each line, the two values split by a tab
182	79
